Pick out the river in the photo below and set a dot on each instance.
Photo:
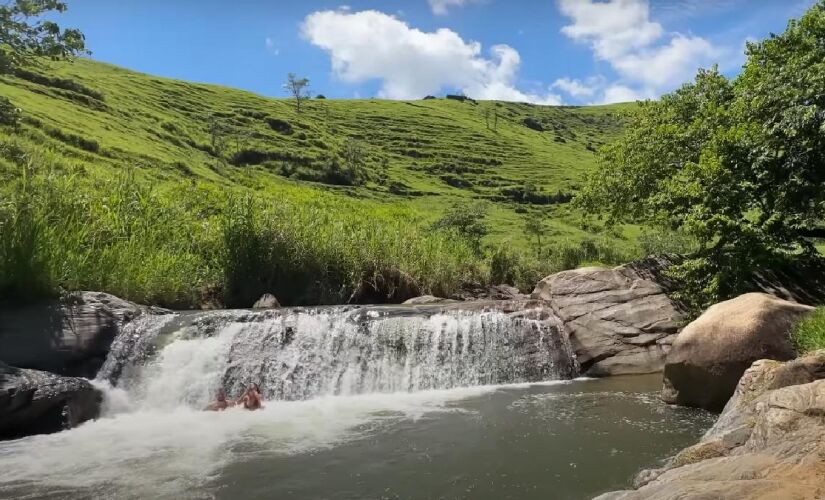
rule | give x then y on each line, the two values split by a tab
361	403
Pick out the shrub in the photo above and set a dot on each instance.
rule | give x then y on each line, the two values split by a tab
467	222
663	241
533	123
10	114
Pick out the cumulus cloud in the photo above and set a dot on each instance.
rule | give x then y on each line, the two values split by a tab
648	60
442	7
578	88
411	63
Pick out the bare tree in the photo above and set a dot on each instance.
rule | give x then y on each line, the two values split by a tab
297	88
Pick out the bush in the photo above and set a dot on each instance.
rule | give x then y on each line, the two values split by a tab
467	222
10	115
809	334
663	241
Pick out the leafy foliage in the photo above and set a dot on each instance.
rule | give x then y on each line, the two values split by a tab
22	39
735	164
467	221
9	114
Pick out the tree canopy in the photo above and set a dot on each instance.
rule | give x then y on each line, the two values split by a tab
739	164
24	35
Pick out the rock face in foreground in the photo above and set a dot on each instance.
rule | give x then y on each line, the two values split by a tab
35	402
620	321
769	442
66	338
711	354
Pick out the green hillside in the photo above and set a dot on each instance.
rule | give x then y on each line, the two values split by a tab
92	123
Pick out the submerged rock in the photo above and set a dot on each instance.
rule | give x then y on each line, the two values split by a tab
69	337
267	301
711	354
769	441
37	402
620	320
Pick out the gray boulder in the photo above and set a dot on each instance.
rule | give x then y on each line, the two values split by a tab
37	402
620	321
267	301
710	355
767	443
69	337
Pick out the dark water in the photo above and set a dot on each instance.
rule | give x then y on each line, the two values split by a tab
567	441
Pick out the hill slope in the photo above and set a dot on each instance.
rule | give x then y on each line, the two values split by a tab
371	158
435	152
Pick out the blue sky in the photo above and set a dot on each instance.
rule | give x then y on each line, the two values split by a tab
544	51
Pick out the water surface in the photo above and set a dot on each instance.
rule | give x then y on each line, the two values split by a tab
560	440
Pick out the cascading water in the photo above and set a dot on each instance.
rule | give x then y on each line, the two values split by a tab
299	354
360	402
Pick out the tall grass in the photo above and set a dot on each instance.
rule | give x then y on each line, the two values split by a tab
183	244
809	334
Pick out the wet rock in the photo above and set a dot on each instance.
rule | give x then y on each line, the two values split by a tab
267	301
68	337
769	441
710	355
37	402
620	320
428	299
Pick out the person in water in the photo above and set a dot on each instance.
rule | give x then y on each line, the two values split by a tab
220	403
252	398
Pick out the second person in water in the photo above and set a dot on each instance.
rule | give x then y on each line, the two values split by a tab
251	399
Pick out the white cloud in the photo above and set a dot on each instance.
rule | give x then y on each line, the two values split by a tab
442	7
620	93
613	27
579	88
411	63
648	60
272	47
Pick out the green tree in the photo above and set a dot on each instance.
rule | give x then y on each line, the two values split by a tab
25	36
466	221
298	88
736	164
217	137
354	157
535	229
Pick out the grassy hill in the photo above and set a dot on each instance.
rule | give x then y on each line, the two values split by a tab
104	131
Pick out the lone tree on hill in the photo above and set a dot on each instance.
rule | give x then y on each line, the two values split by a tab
534	227
297	88
25	36
466	221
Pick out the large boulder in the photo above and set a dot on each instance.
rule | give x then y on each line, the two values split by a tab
769	442
267	301
620	321
36	402
69	337
710	355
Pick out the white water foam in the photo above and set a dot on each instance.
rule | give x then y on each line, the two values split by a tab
354	378
166	452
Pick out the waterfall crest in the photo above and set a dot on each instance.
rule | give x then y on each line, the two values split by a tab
297	354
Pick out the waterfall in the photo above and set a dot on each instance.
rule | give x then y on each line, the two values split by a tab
302	353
